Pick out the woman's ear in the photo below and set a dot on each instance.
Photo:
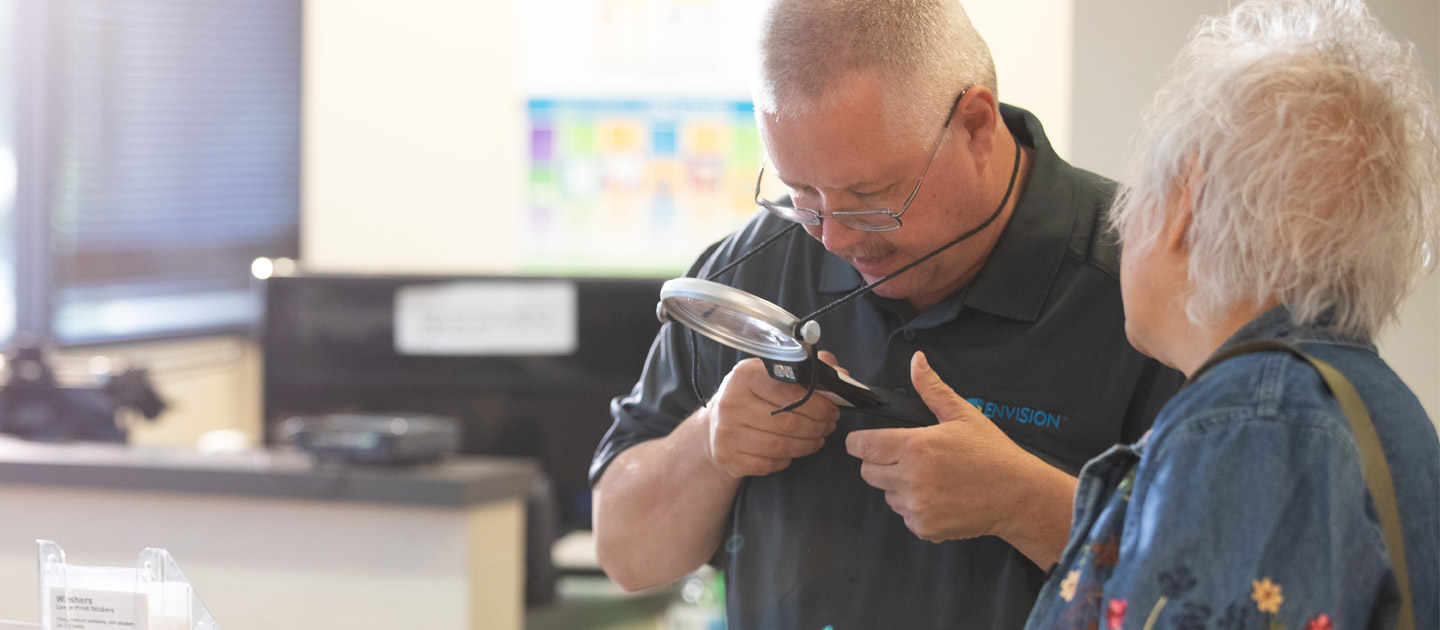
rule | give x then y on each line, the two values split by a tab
1181	213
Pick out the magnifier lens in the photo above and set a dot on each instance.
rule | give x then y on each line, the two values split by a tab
719	320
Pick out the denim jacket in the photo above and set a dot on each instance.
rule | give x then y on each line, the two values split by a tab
1245	507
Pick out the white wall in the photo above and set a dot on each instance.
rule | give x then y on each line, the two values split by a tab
412	135
414	124
1121	50
1123	47
1031	42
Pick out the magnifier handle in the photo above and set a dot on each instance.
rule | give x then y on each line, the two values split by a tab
879	402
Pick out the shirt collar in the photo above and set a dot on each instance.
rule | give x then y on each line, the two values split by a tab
1017	276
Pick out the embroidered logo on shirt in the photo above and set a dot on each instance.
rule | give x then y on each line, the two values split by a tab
1016	413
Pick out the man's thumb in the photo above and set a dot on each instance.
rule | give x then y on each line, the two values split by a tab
947	405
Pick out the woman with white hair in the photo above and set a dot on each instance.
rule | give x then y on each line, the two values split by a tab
1285	193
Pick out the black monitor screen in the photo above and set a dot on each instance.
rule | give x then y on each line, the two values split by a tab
330	345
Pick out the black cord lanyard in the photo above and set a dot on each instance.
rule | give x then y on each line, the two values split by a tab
814	356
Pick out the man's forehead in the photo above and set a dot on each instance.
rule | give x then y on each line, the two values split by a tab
834	150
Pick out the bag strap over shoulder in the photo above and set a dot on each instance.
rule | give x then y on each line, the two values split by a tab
1376	468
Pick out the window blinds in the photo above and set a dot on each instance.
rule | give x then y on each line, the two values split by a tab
174	146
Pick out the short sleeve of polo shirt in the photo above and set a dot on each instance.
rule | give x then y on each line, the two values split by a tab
662	398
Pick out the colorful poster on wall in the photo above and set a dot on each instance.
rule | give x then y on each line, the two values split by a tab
641	135
635	187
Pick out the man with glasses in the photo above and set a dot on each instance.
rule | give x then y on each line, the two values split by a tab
892	162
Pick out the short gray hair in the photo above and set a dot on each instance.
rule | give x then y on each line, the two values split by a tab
922	51
1310	135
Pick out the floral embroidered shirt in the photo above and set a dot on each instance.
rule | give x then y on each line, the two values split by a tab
1244	506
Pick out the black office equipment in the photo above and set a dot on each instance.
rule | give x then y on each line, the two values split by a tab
329	346
36	406
383	439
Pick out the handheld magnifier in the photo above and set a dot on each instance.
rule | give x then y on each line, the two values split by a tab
756	326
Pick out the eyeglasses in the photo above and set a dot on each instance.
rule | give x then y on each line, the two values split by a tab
877	220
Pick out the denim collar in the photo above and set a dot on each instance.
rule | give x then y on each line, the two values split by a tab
1279	324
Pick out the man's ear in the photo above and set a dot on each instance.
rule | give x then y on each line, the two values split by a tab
976	116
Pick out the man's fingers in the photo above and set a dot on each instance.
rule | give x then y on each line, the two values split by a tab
774	394
877	446
796	425
777	395
947	405
827	357
747	465
817	410
776	445
881	476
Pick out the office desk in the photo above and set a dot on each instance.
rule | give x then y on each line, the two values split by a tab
274	541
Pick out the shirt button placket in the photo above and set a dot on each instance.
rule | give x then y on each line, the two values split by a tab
900	351
903	355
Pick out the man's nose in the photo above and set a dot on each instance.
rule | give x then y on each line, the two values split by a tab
836	236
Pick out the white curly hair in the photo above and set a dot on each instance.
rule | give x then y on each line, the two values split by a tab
1309	135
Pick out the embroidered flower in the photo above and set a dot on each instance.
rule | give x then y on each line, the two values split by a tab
1067	587
1115	614
1267	595
1107	554
1319	622
1176	584
1084	612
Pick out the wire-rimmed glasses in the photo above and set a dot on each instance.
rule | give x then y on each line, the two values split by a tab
876	220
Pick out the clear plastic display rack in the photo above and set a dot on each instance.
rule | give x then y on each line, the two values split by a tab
152	595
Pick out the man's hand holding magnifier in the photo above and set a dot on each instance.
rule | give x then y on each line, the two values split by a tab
746	439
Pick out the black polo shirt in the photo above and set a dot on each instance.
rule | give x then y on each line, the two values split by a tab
1036	341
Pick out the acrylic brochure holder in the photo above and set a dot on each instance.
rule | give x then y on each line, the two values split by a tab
153	595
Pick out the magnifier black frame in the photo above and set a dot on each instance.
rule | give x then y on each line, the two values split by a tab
791	365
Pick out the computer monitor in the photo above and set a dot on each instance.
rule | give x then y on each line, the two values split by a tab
330	345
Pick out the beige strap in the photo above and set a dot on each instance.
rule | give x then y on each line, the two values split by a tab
1376	468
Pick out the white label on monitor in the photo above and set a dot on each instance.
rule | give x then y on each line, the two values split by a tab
89	609
505	318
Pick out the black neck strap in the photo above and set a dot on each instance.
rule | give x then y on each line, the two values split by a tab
1014	174
814	356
